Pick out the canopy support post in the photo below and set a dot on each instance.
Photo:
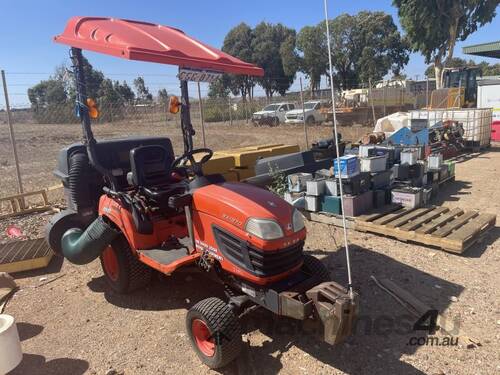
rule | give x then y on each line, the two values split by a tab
186	126
82	112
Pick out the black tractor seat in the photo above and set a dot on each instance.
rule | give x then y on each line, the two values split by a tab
150	172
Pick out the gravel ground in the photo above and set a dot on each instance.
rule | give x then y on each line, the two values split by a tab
76	325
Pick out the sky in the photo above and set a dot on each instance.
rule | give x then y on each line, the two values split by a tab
28	54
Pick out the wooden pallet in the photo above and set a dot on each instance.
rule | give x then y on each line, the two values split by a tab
452	230
17	204
25	255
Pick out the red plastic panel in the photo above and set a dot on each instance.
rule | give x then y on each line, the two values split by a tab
135	40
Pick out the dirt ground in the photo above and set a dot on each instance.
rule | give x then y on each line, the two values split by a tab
76	325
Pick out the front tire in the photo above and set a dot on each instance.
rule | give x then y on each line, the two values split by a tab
122	270
214	332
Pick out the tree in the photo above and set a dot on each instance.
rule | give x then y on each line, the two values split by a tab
143	94
489	70
125	92
220	87
162	96
365	46
270	45
238	43
434	26
455	62
47	93
313	60
108	95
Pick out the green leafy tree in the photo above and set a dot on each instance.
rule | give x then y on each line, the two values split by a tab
365	46
46	93
124	91
143	94
162	96
220	87
238	43
272	47
434	26
489	70
312	59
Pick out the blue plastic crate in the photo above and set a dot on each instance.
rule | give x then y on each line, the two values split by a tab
349	166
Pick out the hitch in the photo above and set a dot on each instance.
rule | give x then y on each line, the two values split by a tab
336	310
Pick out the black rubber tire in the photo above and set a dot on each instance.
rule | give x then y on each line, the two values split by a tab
310	120
314	266
224	326
58	225
275	122
132	275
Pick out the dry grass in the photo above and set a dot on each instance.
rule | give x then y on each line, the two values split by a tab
39	144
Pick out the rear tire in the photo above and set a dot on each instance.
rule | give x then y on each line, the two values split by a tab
314	266
122	270
214	332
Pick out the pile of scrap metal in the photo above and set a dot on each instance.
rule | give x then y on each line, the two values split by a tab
320	156
446	137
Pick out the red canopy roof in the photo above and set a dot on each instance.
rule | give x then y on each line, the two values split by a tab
135	40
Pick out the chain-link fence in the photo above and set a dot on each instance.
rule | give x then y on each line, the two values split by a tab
41	131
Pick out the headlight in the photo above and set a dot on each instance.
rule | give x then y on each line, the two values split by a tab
297	221
264	228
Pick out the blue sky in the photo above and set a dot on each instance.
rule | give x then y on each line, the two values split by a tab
28	54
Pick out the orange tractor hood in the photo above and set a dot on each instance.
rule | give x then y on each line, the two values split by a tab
237	202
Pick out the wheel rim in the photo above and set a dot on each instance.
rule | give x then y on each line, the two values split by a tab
203	338
110	262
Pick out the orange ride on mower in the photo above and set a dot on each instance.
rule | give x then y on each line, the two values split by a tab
140	209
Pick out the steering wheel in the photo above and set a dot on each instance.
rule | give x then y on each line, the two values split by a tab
189	156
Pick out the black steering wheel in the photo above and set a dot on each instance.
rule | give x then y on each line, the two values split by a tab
195	166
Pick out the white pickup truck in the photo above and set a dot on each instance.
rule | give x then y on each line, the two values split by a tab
311	111
272	114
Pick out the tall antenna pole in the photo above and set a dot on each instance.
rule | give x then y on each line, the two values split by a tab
344	225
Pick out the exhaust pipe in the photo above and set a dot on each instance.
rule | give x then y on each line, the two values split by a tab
82	247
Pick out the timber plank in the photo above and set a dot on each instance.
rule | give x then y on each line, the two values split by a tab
379	212
412	225
408	217
456	223
392	216
464	237
440	221
451	230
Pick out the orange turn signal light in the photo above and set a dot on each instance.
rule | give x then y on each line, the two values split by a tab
92	107
174	104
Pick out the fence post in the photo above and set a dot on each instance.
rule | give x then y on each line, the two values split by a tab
230	112
12	136
371	100
246	113
201	116
303	113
